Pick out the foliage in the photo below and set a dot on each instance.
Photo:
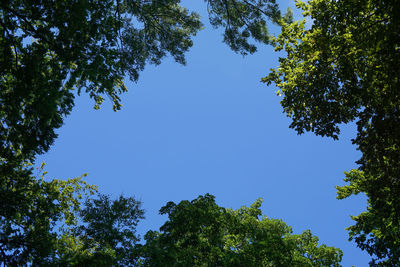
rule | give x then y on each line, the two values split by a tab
107	232
201	233
32	210
47	223
52	50
243	19
344	68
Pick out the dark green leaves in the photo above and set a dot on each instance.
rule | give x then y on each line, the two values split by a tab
32	212
53	50
107	233
242	20
345	68
49	49
200	233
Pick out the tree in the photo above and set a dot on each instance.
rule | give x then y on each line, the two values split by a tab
107	233
344	68
32	212
47	223
53	50
201	233
50	52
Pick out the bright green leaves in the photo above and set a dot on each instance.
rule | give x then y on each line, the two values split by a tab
34	212
376	230
356	180
308	253
313	95
52	51
71	193
200	233
330	71
343	68
59	222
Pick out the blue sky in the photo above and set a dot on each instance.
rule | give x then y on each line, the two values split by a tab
211	127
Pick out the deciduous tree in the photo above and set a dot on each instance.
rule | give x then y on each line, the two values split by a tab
107	233
51	51
34	214
201	233
344	67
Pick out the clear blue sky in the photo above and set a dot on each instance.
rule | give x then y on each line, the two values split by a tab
211	127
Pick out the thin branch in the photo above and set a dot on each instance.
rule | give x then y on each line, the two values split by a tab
256	7
228	14
30	26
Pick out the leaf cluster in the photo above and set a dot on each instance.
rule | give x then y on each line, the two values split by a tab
243	19
49	50
32	212
344	68
106	235
52	51
201	233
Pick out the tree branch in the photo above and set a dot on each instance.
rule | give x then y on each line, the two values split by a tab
13	40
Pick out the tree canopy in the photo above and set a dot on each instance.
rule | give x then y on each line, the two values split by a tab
341	66
105	236
36	214
53	50
53	222
344	68
201	233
